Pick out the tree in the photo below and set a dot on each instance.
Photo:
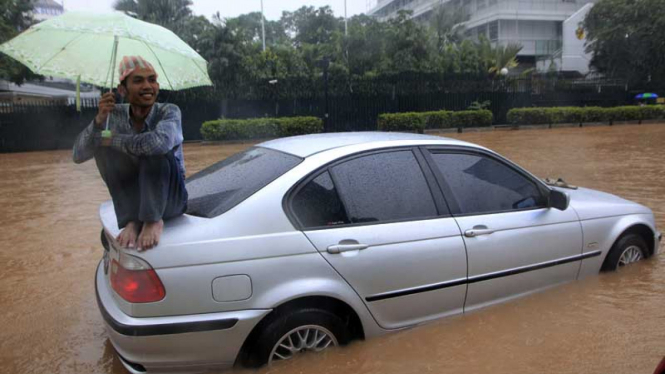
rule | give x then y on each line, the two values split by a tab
309	25
406	45
14	18
627	38
365	44
504	57
171	14
446	24
248	29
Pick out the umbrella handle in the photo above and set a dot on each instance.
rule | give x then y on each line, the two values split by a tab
107	133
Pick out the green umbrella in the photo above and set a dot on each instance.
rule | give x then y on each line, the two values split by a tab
88	46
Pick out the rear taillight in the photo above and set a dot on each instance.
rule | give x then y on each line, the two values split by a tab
135	280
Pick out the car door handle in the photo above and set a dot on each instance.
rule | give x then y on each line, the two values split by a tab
339	248
477	231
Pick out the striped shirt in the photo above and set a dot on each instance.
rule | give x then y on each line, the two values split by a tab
161	133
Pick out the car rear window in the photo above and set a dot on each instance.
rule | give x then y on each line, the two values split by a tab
220	187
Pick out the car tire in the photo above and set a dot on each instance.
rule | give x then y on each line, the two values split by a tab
628	249
308	323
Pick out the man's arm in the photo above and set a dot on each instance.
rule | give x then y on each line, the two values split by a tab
86	143
166	136
91	137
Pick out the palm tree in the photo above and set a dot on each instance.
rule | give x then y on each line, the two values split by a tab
447	24
505	57
499	57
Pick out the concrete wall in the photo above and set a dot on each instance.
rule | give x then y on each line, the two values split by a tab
574	56
536	37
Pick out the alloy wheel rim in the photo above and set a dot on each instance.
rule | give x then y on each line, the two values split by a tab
310	338
630	255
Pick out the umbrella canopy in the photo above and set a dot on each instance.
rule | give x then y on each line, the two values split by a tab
79	44
647	95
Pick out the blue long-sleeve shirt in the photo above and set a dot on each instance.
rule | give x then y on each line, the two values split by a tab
162	133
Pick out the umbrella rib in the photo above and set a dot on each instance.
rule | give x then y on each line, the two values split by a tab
60	51
160	64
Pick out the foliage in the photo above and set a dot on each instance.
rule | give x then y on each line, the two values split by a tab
441	119
626	38
447	24
418	122
258	128
472	118
412	122
171	14
503	57
14	18
291	126
478	105
537	116
305	43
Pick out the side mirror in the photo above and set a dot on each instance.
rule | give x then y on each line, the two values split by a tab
558	200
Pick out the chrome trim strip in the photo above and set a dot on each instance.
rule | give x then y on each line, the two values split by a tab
480	278
414	290
524	269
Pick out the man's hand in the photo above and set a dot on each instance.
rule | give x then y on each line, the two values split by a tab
106	106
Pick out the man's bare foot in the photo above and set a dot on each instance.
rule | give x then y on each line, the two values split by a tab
128	235
150	234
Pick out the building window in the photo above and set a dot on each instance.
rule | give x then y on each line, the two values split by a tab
494	30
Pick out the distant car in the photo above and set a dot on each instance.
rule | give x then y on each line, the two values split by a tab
304	243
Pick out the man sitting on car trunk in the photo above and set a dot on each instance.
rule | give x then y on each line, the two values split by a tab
141	159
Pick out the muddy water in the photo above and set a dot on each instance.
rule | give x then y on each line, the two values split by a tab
614	323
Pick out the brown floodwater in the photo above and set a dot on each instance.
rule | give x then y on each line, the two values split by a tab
613	323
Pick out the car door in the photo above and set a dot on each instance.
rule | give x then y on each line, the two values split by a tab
375	219
515	243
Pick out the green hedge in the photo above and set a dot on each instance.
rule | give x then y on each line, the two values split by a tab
420	121
547	116
259	128
402	122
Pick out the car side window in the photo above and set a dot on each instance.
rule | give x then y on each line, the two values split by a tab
317	204
385	186
483	185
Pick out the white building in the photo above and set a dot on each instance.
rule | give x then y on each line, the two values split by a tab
46	9
546	29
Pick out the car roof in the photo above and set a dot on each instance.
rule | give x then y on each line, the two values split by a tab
307	145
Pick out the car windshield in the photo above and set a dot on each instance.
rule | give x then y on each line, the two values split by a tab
220	187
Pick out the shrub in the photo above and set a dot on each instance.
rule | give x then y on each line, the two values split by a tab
402	122
417	122
472	118
535	116
299	126
596	114
625	113
652	112
439	120
257	128
524	116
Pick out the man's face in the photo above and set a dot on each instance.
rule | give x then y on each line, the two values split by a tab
142	87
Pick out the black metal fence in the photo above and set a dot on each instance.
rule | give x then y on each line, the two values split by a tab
45	126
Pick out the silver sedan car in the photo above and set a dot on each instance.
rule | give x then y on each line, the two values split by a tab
304	243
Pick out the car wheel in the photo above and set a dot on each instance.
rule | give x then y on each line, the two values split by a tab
627	250
300	331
